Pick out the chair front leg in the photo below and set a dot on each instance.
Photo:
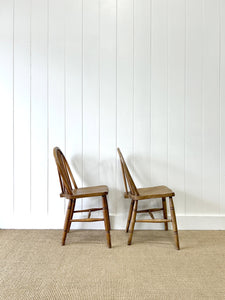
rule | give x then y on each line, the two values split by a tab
106	220
174	223
67	220
133	220
129	215
71	214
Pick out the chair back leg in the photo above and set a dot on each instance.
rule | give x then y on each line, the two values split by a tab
174	223
133	220
106	220
165	212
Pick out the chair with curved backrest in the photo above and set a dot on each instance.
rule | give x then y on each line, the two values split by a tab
71	192
147	193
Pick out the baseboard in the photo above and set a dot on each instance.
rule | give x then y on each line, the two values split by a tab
183	222
118	222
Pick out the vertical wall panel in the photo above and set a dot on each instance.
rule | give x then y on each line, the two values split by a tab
73	89
176	101
108	155
141	90
22	108
222	107
90	75
141	87
159	105
6	115
159	95
193	108
211	109
91	94
56	103
125	97
39	104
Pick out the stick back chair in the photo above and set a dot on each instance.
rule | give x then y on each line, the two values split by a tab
70	191
135	195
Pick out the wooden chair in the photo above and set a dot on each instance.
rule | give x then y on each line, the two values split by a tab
71	192
147	193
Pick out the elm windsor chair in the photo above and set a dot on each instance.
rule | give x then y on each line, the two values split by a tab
71	192
147	193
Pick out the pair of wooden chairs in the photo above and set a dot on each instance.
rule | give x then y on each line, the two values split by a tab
70	191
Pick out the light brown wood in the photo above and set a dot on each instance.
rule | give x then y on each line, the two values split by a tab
174	223
154	221
149	210
133	220
87	210
151	214
129	215
70	191
152	192
106	220
66	223
165	211
88	220
136	194
71	214
93	191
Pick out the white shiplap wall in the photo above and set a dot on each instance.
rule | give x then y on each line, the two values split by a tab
90	75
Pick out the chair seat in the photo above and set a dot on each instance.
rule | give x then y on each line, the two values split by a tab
92	191
160	191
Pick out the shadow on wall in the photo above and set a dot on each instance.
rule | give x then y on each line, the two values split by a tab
109	172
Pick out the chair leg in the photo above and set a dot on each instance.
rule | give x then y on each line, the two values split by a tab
129	215
165	212
71	214
106	220
108	214
67	219
174	223
133	220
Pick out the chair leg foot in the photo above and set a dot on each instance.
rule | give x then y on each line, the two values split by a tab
174	223
64	238
108	237
133	219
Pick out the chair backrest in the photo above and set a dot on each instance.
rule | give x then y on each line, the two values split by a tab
126	176
65	174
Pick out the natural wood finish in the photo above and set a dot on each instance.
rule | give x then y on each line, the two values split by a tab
129	215
165	211
93	191
89	209
127	177
152	192
106	220
70	191
71	214
149	210
88	220
133	220
136	194
151	214
154	221
174	223
66	223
